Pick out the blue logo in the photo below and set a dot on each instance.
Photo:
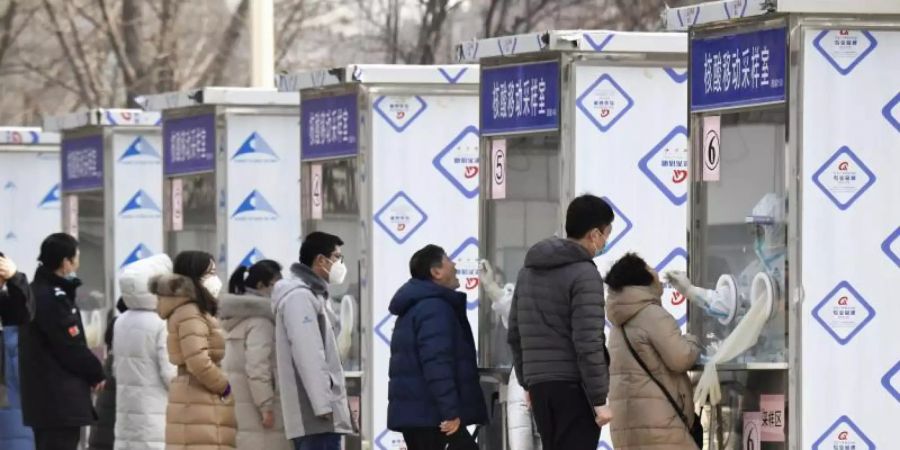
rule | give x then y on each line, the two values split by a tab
888	383
888	247
843	313
395	442
507	45
11	236
140	252
140	205
458	162
385	328
400	217
844	178
845	49
673	299
469	50
51	200
667	165
690	16
255	149
452	79
141	149
843	435
255	207
252	257
598	47
618	231
604	102
736	9
676	76
466	259
888	112
400	112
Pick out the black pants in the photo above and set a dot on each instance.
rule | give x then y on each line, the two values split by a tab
433	439
564	416
56	438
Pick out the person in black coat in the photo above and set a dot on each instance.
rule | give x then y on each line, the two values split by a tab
103	432
16	308
58	370
434	390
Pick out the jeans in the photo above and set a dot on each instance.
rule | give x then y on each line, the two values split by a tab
324	441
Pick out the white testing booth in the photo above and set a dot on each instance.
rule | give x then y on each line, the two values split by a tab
111	194
30	198
232	174
390	164
795	132
565	113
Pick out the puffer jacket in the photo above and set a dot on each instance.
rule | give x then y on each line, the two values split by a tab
433	368
642	416
557	318
250	365
142	369
16	308
197	417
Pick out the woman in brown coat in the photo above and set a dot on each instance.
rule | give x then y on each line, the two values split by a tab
200	414
643	419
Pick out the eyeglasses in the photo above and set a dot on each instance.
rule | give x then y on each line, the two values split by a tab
337	257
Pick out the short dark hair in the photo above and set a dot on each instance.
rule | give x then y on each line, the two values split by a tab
429	257
264	271
194	265
56	248
586	213
318	243
629	270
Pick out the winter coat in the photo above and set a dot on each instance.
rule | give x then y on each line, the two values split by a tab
56	367
103	432
16	308
197	416
556	321
250	365
642	416
433	368
310	375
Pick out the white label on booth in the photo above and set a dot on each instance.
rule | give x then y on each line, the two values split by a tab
177	204
773	418
72	215
712	146
316	191
752	431
498	169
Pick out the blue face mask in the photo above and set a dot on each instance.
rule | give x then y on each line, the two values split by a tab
602	251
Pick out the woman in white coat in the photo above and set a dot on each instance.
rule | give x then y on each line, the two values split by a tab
141	367
246	315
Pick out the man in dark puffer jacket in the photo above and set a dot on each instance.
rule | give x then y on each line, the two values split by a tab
434	389
556	330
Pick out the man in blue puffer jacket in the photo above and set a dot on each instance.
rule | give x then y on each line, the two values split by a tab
434	390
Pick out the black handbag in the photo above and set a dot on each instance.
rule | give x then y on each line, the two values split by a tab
696	431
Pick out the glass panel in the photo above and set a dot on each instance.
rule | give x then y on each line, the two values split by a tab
340	216
199	212
745	230
92	247
528	214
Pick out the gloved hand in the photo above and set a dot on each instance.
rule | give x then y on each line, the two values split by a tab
717	303
7	268
486	276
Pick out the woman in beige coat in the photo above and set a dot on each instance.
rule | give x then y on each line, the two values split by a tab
200	414
643	419
246	315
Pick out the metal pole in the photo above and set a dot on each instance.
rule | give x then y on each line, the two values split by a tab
262	43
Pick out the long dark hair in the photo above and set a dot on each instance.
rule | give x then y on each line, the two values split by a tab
265	271
194	265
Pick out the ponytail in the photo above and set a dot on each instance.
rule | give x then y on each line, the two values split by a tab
237	284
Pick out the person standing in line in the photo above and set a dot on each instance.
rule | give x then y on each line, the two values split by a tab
16	309
246	315
310	375
200	413
556	330
434	390
57	369
103	431
142	368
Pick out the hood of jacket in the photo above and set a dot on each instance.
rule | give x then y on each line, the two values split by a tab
301	276
134	281
556	252
173	290
621	306
234	308
416	290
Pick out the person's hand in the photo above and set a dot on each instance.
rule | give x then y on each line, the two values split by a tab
680	281
7	268
485	271
603	415
327	416
268	419
99	387
450	427
528	400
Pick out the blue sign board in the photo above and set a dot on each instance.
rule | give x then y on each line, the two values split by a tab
520	99
82	163
329	127
189	144
739	69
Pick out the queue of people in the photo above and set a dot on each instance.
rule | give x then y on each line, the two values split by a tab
258	367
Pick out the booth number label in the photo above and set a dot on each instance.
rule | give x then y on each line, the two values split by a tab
498	166
712	148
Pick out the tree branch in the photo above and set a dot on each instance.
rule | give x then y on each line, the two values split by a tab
67	52
6	36
212	73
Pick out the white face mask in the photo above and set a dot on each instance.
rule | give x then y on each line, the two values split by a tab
212	284
337	273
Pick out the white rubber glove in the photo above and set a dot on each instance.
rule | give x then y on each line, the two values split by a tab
714	302
486	274
7	268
